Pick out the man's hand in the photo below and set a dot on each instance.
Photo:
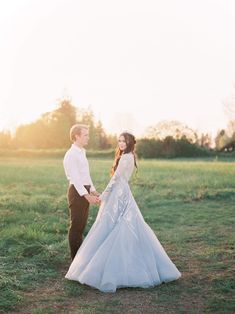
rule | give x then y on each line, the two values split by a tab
92	199
95	193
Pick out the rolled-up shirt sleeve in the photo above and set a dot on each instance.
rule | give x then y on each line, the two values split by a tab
92	187
71	166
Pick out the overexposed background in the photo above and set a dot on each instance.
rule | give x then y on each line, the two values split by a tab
134	62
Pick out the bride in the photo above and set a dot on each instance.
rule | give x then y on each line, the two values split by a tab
121	250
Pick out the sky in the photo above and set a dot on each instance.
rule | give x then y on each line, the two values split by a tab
135	63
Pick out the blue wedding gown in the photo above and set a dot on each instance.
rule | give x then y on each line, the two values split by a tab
121	250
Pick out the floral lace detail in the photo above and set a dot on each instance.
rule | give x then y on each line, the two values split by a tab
119	206
108	188
123	172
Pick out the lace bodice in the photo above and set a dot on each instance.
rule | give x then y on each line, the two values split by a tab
123	172
125	167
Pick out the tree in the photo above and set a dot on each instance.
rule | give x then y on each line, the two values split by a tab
226	141
5	140
102	138
221	140
174	129
205	140
51	130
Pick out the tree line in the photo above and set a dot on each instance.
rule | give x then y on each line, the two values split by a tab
51	130
165	139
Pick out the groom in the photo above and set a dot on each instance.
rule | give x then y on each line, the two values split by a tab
81	191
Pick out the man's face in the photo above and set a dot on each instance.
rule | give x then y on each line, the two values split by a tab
83	138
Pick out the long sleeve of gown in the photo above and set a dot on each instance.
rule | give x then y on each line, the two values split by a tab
122	172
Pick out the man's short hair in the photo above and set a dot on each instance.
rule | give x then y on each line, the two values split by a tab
76	130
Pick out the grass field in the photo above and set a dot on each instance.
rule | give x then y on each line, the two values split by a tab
190	204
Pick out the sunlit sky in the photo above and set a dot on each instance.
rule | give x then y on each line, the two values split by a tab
134	62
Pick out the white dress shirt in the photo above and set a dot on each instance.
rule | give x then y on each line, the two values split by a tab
77	170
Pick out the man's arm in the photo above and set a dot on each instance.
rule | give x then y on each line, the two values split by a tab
72	169
92	190
95	193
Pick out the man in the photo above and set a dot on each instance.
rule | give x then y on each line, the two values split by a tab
81	191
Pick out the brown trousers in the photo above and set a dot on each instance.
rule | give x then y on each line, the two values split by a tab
79	209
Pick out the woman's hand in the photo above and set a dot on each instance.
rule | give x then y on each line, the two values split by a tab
92	199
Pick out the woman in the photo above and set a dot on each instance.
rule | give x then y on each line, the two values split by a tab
121	250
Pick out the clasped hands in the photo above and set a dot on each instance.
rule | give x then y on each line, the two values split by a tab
93	197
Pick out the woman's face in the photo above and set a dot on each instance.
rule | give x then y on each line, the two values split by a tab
122	143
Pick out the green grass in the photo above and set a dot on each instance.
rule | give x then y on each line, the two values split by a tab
190	204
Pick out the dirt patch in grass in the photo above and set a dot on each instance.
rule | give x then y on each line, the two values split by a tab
64	296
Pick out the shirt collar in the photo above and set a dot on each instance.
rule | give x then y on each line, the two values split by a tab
77	148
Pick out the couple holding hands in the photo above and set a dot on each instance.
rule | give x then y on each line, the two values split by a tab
120	250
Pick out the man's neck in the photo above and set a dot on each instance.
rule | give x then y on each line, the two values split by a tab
78	145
